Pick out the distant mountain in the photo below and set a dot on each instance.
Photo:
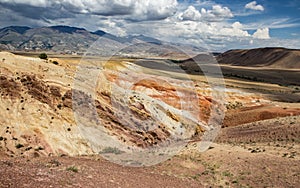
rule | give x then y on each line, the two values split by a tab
137	38
18	29
99	33
56	38
262	57
70	30
65	39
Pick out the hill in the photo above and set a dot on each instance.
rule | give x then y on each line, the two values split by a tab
269	65
262	57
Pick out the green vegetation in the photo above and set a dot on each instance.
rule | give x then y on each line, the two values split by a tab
72	169
19	146
43	56
28	148
39	148
227	173
54	162
59	106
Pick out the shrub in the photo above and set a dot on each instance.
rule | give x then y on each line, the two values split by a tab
226	173
55	62
43	56
72	169
54	162
39	148
19	146
59	106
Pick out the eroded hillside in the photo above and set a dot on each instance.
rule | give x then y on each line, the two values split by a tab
131	107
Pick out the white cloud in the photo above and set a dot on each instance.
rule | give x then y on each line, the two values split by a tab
218	13
210	35
237	25
272	23
153	10
37	3
254	6
114	27
134	9
218	10
262	33
191	13
234	30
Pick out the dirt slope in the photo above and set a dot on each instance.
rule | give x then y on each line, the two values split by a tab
262	57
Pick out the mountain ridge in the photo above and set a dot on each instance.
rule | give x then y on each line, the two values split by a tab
67	39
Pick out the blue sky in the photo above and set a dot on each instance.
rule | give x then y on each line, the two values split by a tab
286	13
216	25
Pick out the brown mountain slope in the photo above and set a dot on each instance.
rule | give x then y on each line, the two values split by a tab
270	57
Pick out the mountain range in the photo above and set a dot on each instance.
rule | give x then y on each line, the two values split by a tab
65	39
73	40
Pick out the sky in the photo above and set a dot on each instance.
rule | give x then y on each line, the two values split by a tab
215	25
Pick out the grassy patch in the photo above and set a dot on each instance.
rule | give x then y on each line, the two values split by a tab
72	169
227	174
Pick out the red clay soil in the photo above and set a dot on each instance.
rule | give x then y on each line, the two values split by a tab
257	113
279	129
82	172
